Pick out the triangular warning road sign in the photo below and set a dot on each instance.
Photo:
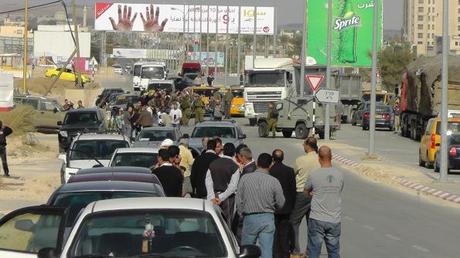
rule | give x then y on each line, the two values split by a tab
314	80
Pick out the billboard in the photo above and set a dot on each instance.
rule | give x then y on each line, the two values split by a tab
352	29
163	54
209	61
182	18
62	44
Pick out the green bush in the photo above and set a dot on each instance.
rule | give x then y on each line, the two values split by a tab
19	119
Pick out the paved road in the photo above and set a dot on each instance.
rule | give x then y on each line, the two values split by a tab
389	145
379	222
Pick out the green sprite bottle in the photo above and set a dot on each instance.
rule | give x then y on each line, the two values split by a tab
346	27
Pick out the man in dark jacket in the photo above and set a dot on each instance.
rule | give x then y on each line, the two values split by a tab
4	132
200	168
286	177
170	176
222	181
247	164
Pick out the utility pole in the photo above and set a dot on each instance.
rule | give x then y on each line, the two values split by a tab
374	81
444	91
226	62
77	43
239	43
303	57
207	43
26	47
217	42
327	128
254	47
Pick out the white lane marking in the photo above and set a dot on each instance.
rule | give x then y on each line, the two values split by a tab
420	248
444	195
393	237
369	227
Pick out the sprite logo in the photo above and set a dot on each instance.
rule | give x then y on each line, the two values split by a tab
341	24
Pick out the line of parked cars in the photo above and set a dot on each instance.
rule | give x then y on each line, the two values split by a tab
384	116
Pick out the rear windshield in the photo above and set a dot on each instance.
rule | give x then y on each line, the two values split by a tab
383	109
156	135
145	160
82	118
77	201
222	132
99	149
454	127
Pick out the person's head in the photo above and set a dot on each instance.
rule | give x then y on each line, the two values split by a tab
204	142
130	109
166	143
174	155
211	145
310	145
80	103
264	161
120	111
229	149
163	156
238	149
245	156
66	101
219	146
278	156
325	157
174	106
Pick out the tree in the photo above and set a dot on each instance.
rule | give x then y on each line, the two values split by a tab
295	45
392	62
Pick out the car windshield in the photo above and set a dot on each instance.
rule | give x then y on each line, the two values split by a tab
123	100
160	86
137	70
378	97
99	149
156	135
75	202
222	132
266	79
150	72
145	160
173	233
453	127
81	118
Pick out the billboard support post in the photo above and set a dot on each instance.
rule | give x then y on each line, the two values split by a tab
207	44
373	81
26	47
327	116
303	55
201	30
254	47
443	173
217	41
183	35
226	62
239	43
77	43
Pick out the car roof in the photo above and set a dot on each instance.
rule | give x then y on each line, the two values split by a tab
106	186
160	128
228	123
111	177
115	170
96	136
81	110
137	150
147	203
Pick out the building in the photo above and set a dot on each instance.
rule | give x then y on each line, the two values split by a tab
423	25
12	39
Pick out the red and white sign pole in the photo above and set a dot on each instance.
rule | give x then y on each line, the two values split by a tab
314	80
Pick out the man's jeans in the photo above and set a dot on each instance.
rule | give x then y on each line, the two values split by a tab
319	231
259	228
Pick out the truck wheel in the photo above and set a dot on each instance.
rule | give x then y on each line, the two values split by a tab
287	133
301	131
252	121
263	129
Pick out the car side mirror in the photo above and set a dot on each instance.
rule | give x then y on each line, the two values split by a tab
48	253
242	136
24	225
59	123
249	251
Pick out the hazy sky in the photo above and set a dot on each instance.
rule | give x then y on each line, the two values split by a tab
289	11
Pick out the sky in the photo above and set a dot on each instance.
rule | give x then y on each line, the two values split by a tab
289	11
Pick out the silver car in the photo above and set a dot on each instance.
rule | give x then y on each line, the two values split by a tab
227	131
153	136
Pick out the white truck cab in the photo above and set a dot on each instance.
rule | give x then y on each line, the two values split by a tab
151	72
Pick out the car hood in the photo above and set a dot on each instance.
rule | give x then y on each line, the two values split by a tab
77	127
146	144
81	164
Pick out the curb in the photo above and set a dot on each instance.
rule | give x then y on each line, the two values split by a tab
406	183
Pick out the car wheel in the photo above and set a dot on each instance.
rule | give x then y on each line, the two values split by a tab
263	129
436	167
287	133
365	128
252	121
353	123
420	161
301	131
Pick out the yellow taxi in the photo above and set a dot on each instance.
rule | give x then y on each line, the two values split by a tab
431	139
67	75
237	105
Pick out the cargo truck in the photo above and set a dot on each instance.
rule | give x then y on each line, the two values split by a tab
421	93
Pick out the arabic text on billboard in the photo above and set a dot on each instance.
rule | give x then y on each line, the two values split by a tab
352	32
180	18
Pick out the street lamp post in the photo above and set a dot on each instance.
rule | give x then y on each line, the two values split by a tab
444	91
371	150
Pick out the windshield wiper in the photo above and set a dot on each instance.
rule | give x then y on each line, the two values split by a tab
94	158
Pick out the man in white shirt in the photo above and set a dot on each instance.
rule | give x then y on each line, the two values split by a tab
176	115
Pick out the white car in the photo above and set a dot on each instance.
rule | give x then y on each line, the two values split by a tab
134	157
90	150
135	227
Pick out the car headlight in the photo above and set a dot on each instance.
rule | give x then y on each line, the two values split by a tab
63	134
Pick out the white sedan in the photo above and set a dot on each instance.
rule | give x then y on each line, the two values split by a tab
137	227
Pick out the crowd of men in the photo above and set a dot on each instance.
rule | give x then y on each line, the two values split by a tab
263	200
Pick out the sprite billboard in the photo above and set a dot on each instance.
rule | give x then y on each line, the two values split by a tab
352	28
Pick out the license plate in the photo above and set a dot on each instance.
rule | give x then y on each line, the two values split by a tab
379	116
